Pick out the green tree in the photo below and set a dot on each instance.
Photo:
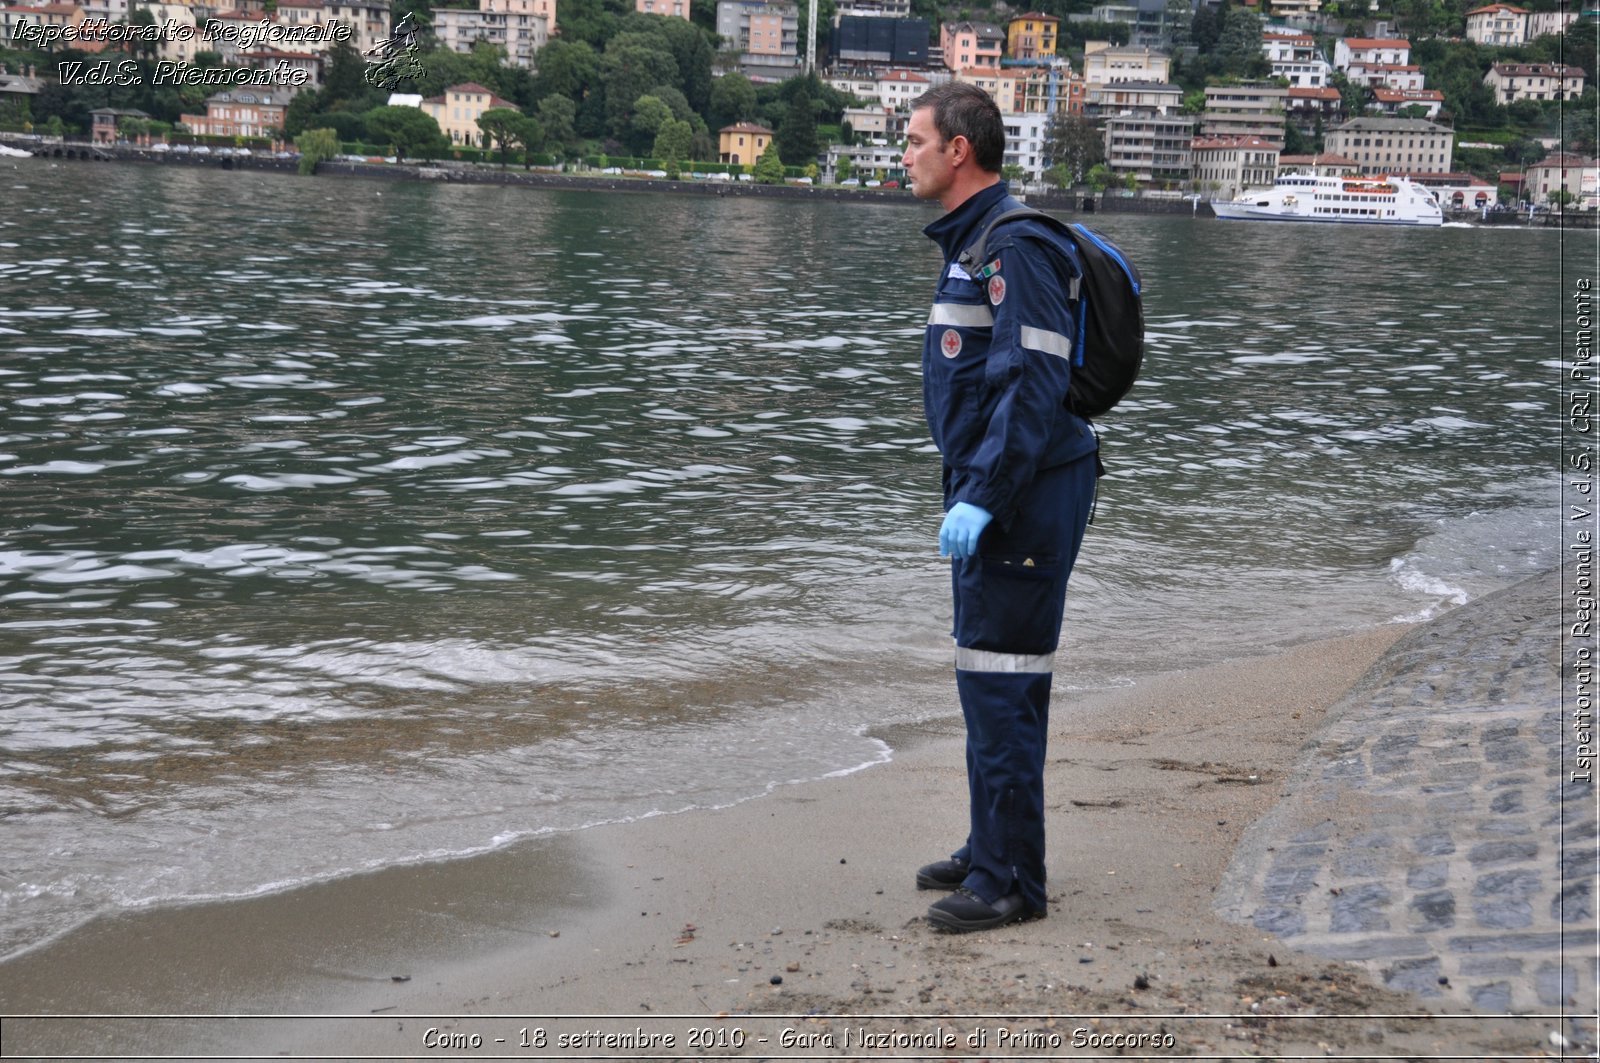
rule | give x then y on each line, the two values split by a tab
314	146
566	68
673	142
650	113
633	65
733	99
345	85
1238	51
410	130
796	136
1101	177
527	132
557	114
498	126
1074	142
769	168
844	170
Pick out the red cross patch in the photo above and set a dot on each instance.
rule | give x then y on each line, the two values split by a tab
950	343
997	289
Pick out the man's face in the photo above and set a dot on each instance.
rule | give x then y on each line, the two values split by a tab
927	159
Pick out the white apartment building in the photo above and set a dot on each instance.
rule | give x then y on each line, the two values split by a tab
1154	148
1295	57
508	24
1105	64
1498	25
1511	82
1025	136
1393	145
1225	166
1370	51
1249	111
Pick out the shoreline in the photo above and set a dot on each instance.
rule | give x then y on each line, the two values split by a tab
797	905
1076	202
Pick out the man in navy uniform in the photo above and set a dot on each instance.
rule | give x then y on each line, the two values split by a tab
1019	474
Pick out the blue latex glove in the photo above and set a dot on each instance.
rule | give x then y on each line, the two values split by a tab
958	536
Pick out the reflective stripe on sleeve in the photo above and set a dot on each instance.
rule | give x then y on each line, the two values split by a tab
1038	339
962	315
970	660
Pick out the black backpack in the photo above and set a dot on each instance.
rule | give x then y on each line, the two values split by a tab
1106	304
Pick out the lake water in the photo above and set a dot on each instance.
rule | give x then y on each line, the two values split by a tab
350	523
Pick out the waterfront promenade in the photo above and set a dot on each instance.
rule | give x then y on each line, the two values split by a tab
1432	834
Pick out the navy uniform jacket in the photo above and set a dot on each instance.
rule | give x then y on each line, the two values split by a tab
997	357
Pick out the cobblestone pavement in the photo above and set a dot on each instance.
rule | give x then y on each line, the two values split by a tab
1432	835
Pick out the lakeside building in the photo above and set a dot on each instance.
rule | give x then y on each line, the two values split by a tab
512	25
742	142
1511	82
1552	23
1149	22
1323	165
107	122
1313	110
867	42
1294	57
1025	140
1226	166
894	89
1574	175
668	8
1154	148
766	37
1032	37
1393	101
1370	51
458	109
867	161
1105	64
1248	110
1457	191
1399	76
309	63
1131	98
972	46
876	125
1393	145
241	112
1498	26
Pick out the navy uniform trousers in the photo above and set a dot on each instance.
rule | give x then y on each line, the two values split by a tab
1009	599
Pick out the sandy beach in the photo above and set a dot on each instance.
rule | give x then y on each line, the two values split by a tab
789	925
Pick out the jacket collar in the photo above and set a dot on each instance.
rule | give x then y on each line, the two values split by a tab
955	230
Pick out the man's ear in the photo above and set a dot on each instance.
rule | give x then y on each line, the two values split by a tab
960	150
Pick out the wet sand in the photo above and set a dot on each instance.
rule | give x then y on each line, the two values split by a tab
794	918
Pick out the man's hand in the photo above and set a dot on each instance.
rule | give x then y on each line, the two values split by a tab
958	537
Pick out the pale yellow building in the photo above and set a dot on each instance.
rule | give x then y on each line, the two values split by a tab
742	143
458	109
1032	36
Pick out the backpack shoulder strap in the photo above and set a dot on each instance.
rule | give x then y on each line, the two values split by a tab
975	253
973	258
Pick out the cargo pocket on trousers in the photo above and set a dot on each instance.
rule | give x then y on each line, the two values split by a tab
1019	612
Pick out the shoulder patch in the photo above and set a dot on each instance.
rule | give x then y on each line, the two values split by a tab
997	289
989	270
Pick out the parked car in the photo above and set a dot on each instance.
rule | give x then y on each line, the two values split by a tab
851	182
891	184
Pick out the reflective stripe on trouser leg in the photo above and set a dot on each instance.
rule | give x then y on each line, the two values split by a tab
1008	607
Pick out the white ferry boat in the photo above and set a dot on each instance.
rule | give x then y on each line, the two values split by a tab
1342	200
